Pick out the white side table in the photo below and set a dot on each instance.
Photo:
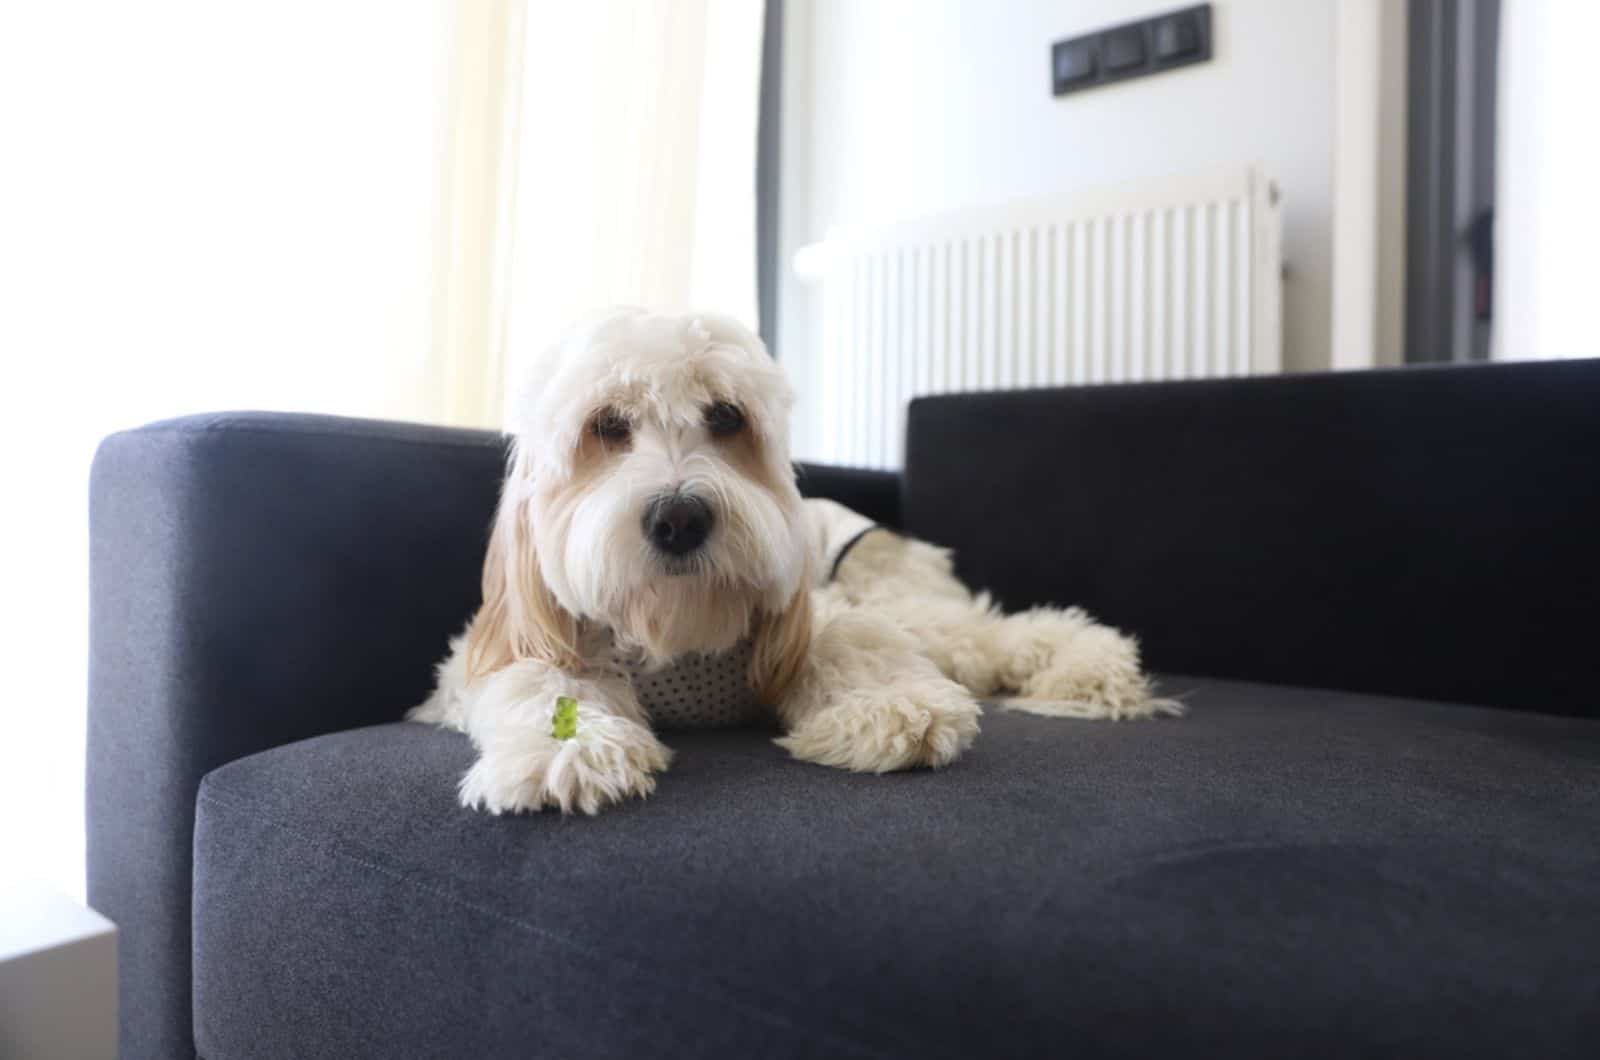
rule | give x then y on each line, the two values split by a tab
58	976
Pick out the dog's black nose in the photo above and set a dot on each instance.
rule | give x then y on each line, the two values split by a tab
677	525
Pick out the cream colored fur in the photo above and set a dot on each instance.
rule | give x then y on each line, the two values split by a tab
879	669
1046	660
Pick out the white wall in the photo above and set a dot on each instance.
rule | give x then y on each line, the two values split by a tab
898	108
1367	313
1547	168
1393	115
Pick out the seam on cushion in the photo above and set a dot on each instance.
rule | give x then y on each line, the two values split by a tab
805	467
225	428
669	984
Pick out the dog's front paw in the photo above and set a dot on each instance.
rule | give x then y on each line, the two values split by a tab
927	722
1095	674
578	763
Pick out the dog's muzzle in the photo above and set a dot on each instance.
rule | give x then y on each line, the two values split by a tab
677	523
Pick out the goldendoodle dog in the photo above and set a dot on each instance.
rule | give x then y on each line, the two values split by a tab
652	563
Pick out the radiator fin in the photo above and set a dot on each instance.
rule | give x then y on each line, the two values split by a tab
1176	281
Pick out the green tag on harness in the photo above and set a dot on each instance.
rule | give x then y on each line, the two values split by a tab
566	726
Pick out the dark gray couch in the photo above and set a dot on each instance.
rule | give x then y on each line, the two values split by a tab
1406	866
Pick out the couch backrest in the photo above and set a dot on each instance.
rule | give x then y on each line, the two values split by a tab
1429	532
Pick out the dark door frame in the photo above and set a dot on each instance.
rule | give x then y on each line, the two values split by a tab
1450	160
769	142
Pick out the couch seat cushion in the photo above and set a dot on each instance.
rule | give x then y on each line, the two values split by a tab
1284	872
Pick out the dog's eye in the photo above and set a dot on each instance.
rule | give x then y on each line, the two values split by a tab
724	418
609	425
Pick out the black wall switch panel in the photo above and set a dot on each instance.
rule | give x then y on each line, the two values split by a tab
1178	36
1078	61
1149	46
1124	48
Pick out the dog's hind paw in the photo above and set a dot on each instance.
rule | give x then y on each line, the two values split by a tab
1094	675
1090	710
925	723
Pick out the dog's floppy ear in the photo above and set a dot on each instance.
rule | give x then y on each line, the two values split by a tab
520	618
781	643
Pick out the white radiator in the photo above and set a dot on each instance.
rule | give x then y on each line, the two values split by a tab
1170	280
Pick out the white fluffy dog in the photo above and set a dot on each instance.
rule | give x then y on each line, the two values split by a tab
652	557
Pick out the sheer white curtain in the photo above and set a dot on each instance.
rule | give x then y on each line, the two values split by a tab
203	206
591	154
634	179
314	206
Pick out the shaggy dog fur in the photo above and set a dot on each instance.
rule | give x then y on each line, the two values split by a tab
877	668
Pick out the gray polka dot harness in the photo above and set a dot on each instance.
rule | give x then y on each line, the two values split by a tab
701	691
696	691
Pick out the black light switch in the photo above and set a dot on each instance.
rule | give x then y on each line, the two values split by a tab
1074	61
1133	49
1124	48
1177	36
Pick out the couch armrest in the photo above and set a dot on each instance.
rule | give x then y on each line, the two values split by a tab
875	494
255	579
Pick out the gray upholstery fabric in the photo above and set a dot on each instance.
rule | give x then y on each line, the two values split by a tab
256	579
1425	532
1285	872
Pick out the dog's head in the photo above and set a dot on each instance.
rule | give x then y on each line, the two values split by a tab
650	492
